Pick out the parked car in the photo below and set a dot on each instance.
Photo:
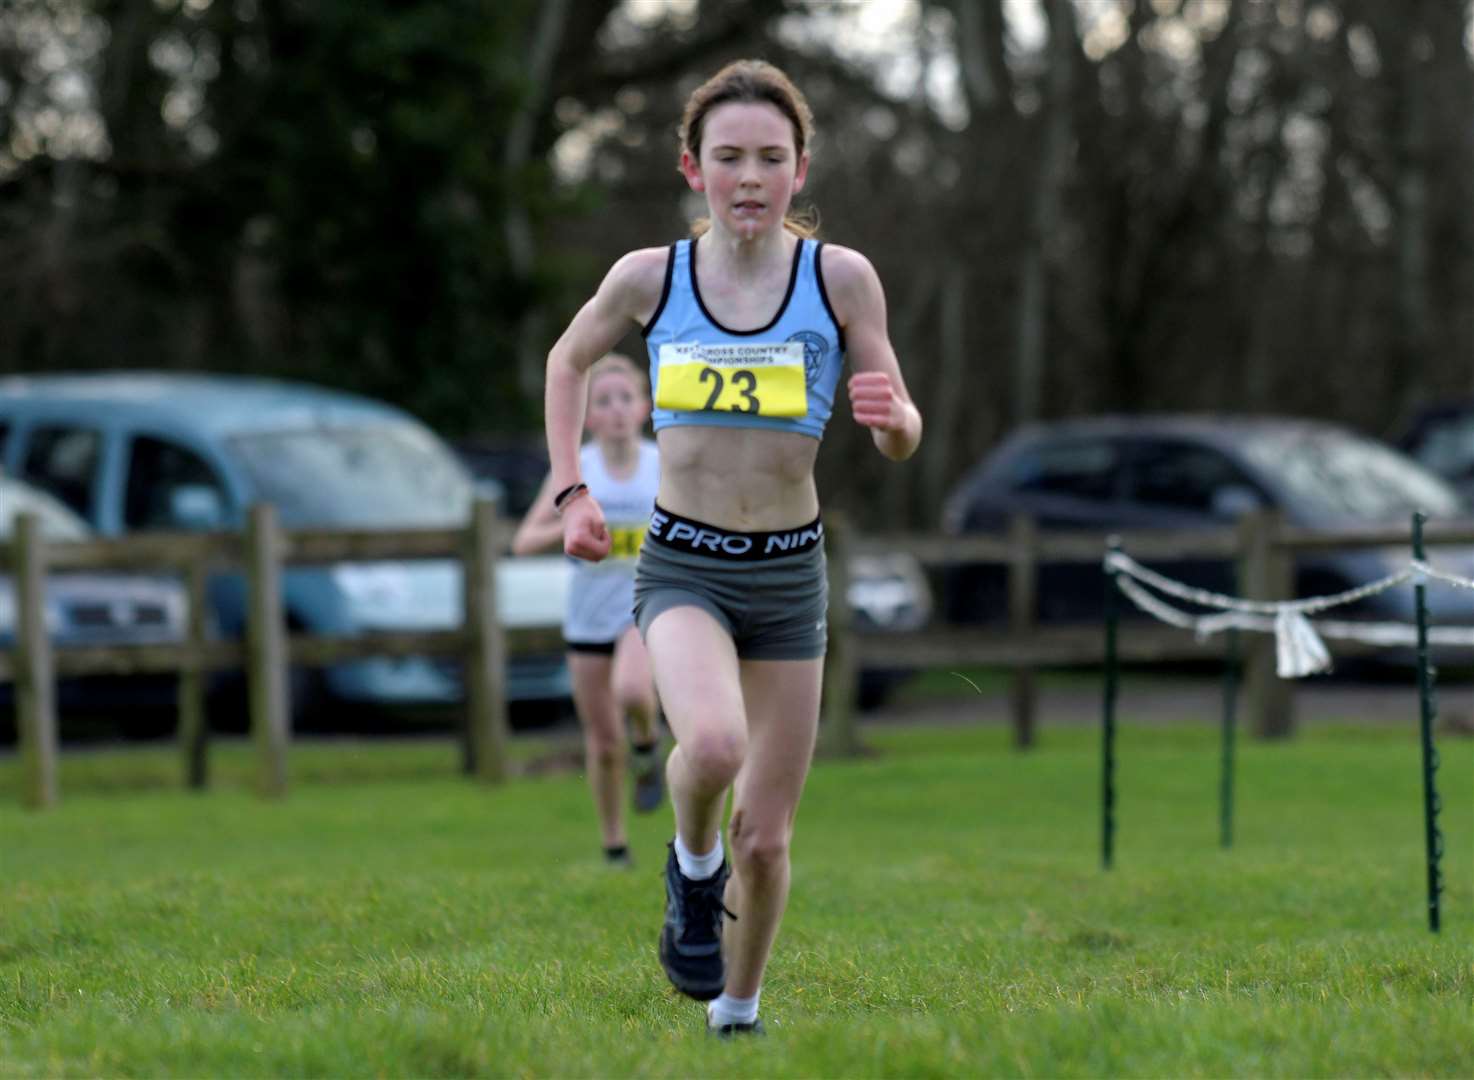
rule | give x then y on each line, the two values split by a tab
134	452
1442	438
1199	472
512	469
91	608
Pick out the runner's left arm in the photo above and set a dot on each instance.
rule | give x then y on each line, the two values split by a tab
878	395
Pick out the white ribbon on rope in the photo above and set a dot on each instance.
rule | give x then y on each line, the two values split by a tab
1299	650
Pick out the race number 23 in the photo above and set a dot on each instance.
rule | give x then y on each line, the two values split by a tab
759	379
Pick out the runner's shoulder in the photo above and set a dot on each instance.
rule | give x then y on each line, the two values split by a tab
850	279
637	279
844	267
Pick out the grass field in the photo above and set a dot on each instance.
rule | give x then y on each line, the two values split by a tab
949	917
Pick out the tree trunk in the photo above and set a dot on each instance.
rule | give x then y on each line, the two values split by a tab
1415	319
1029	361
516	153
948	398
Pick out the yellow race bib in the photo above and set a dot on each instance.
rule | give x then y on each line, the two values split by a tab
625	541
760	378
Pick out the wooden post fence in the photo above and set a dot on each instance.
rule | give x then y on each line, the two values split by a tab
194	726
487	730
838	734
1263	546
266	650
36	678
1023	605
1265	572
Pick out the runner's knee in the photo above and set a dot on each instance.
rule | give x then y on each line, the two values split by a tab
714	756
635	695
604	745
760	852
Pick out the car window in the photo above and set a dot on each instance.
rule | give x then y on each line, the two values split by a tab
63	460
1083	469
1182	476
157	469
1447	446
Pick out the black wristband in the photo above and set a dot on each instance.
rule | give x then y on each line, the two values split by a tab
560	499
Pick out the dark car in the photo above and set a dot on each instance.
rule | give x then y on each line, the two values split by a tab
1199	472
512	469
1442	438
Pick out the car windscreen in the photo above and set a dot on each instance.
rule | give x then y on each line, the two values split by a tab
386	476
1345	477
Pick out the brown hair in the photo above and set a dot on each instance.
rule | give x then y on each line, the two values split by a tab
754	82
619	362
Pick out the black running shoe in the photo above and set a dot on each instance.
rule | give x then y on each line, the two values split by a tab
649	779
732	1031
691	939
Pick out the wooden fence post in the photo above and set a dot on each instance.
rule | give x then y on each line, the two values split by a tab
266	649
1266	572
487	734
36	678
1023	601
194	727
838	736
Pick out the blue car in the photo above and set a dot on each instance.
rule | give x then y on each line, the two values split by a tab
134	452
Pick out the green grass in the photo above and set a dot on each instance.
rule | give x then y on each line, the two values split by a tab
949	917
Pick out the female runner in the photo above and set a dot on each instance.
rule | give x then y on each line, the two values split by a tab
747	325
607	661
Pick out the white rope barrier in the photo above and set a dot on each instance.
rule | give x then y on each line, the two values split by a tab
1116	560
1299	649
1422	568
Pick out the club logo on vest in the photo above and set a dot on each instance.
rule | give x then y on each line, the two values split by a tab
815	346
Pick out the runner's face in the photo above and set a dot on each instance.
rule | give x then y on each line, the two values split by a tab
749	167
617	406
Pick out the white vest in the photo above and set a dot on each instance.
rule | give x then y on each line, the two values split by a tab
601	595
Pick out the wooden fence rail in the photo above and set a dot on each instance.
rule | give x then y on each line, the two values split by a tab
260	552
1262	548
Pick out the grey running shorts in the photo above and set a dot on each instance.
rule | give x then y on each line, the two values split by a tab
767	590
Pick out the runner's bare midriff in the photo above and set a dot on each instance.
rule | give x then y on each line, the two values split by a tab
744	479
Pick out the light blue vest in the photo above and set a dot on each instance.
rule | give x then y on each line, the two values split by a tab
682	327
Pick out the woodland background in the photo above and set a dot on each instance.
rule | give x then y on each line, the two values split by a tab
1077	206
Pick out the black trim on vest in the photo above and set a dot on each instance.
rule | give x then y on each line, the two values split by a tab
670	270
798	250
824	293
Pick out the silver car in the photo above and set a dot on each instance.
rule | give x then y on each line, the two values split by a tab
93	608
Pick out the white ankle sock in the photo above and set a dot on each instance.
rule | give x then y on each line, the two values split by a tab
696	866
727	1009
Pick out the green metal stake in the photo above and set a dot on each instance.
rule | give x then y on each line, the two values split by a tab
1108	749
1427	711
1230	711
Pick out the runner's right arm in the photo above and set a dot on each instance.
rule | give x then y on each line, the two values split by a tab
628	294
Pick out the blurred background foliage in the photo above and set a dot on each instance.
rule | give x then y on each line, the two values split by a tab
1076	205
